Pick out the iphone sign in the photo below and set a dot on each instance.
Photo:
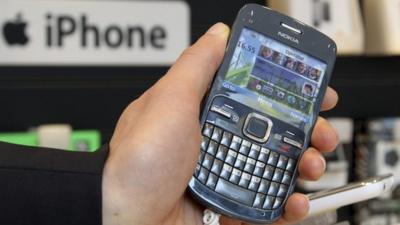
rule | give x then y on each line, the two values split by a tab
45	32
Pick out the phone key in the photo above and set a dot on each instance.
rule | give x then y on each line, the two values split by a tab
226	171
208	130
212	148
242	157
254	183
212	181
259	170
283	190
226	138
287	177
197	170
273	189
201	156
260	164
244	181
292	142
254	151
240	162
235	144
217	166
265	151
217	134
290	165
204	143
203	175
282	162
246	143
207	162
263	157
250	164
244	150
221	153
231	157
269	202
278	203
264	185
235	192
251	161
268	172
259	200
278	174
221	111
245	147
273	158
235	176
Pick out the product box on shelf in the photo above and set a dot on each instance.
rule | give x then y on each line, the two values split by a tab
339	19
382	24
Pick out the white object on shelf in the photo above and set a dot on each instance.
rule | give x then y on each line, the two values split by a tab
344	128
387	160
382	23
54	136
339	19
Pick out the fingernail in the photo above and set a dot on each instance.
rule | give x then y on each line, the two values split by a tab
217	29
306	203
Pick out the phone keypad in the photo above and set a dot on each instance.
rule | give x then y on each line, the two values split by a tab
226	138
243	171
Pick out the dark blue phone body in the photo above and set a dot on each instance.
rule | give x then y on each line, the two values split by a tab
258	117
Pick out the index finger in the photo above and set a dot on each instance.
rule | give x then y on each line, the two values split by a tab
330	100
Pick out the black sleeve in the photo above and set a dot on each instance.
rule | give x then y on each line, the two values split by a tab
50	187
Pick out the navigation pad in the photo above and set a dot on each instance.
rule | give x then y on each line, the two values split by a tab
257	127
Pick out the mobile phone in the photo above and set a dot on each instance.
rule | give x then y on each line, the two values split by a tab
259	114
328	200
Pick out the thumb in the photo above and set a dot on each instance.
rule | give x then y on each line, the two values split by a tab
195	68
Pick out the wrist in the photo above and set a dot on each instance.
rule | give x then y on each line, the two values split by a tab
112	203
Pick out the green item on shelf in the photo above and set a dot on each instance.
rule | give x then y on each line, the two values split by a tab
83	140
28	138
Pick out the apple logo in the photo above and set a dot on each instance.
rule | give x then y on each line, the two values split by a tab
14	31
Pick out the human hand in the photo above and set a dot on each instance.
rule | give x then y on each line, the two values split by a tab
155	146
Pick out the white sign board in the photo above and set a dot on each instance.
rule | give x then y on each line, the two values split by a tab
45	32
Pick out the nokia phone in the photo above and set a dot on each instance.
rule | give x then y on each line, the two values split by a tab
259	114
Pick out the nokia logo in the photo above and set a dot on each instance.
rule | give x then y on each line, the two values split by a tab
288	37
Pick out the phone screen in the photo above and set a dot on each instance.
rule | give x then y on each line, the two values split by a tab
274	78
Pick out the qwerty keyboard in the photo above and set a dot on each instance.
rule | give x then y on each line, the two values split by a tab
243	171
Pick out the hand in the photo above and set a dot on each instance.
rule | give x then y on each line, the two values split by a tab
154	149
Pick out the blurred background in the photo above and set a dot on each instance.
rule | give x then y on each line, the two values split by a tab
69	68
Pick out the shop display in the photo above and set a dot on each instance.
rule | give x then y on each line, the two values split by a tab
382	24
337	162
377	153
387	160
81	140
327	218
339	19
